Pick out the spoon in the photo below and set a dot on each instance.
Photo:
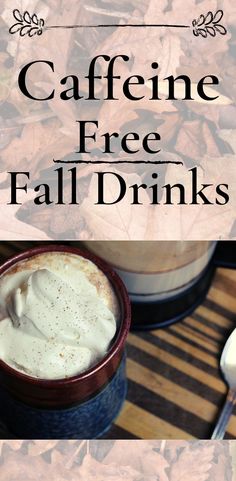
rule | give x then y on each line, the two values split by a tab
228	367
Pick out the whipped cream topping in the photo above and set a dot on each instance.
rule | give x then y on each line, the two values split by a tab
58	315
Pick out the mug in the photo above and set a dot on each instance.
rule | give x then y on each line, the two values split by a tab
78	407
165	280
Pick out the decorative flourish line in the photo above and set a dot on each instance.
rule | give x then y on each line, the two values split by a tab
32	25
98	162
118	25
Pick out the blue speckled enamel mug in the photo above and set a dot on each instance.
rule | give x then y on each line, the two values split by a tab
80	407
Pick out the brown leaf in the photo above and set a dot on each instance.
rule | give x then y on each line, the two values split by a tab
141	456
37	448
22	468
193	464
172	448
92	469
229	136
11	227
121	221
27	151
14	445
196	140
28	468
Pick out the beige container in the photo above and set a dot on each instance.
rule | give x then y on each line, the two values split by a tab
154	271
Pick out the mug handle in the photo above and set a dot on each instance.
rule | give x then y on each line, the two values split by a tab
225	254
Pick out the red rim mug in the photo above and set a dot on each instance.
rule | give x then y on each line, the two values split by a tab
73	390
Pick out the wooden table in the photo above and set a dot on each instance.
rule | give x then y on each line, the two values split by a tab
175	388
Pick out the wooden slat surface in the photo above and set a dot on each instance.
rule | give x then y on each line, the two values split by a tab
175	387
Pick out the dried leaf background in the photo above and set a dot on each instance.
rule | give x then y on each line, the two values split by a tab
198	134
116	460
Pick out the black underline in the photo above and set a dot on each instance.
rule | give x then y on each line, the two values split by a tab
117	25
97	162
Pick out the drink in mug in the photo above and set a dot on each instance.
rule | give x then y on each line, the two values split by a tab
156	271
64	318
